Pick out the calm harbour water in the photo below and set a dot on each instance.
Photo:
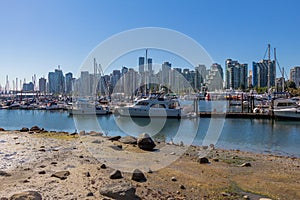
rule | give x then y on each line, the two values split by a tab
255	135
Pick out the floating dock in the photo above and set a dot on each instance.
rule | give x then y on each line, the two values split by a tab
235	115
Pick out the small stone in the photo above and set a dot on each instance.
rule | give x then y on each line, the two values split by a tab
182	187
62	175
90	194
138	176
53	163
97	142
87	174
128	140
122	191
103	166
82	133
42	166
173	178
120	146
26	181
246	164
246	197
81	156
116	175
172	153
203	160
114	138
42	150
216	159
28	195
150	171
3	173
42	172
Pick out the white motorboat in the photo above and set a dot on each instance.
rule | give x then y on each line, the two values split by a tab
155	106
286	108
84	107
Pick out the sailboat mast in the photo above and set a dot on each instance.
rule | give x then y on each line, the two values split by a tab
269	67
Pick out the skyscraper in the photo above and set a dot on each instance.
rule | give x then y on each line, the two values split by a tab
260	73
141	65
236	75
42	85
69	83
56	82
295	76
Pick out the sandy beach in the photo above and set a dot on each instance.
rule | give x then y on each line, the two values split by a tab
59	165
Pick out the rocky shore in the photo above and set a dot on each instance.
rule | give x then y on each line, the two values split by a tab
37	164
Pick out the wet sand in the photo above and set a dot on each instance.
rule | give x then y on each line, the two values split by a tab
29	160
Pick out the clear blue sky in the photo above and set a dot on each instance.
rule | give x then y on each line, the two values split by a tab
36	36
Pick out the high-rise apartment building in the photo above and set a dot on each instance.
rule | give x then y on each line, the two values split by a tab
42	85
295	75
56	82
69	83
236	75
262	72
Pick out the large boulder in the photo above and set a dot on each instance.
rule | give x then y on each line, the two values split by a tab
35	129
28	195
145	142
138	176
24	129
121	191
128	140
2	129
116	175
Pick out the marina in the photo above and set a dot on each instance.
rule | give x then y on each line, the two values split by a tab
255	134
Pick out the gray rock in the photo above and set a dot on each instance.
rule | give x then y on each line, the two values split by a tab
35	129
87	174
128	140
24	129
103	166
62	175
114	138
122	191
138	176
145	142
90	194
203	160
173	178
28	195
3	173
245	165
97	142
116	175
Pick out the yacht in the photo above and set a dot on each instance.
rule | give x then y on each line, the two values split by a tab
286	108
85	107
157	105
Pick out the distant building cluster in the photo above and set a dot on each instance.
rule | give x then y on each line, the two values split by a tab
145	79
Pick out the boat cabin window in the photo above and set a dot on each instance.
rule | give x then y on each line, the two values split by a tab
142	103
173	105
158	106
283	104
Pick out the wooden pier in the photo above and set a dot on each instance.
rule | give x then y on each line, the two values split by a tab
235	115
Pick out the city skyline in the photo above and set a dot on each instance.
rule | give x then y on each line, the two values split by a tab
38	36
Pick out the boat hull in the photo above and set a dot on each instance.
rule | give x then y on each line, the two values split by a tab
140	112
287	113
